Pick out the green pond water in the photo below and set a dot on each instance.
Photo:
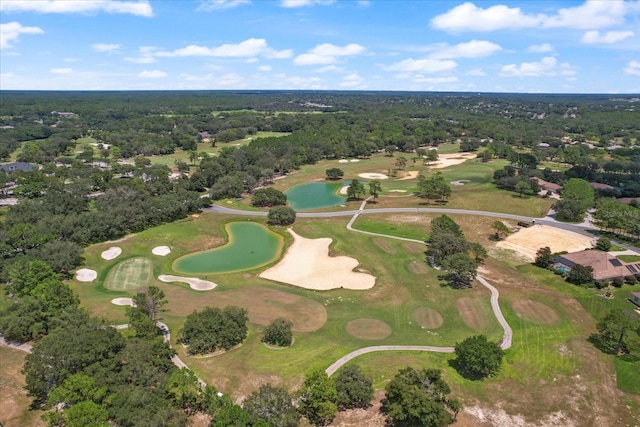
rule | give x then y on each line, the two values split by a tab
250	245
315	195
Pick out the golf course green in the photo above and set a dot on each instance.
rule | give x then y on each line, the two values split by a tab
314	195
250	245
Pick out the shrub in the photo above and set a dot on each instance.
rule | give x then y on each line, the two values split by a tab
278	333
268	197
618	282
281	215
630	280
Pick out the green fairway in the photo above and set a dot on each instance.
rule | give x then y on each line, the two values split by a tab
129	275
250	245
628	374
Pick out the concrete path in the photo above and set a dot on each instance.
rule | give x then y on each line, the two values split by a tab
505	343
16	346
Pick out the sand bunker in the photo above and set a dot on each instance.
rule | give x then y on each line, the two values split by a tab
397	191
343	161
307	264
161	250
460	182
86	275
193	282
355	160
373	176
343	190
445	160
527	241
410	175
111	253
122	301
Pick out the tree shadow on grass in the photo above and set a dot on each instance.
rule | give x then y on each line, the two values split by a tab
455	364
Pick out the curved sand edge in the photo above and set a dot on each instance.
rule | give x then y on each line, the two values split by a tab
527	241
111	253
161	250
410	175
193	282
86	275
445	160
122	301
373	176
307	264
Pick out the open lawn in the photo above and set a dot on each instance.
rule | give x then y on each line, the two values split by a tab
406	306
14	403
129	275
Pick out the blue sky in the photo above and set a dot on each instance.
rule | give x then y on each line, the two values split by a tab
420	45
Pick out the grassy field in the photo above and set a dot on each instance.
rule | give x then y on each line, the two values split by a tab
13	396
629	258
129	275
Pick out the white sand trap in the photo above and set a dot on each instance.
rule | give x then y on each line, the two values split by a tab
86	275
161	250
355	160
397	191
373	176
307	264
343	161
122	301
193	282
111	253
528	240
445	160
343	190
410	175
460	182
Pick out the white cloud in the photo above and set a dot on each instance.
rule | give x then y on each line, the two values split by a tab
152	74
610	37
423	65
145	55
472	49
352	80
290	4
248	48
264	68
10	32
469	17
633	68
591	14
139	8
105	47
210	5
541	48
211	81
328	53
546	67
330	69
61	70
477	72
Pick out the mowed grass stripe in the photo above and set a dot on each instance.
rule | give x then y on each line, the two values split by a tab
129	275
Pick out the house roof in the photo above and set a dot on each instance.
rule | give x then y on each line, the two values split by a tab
604	265
548	185
636	294
18	166
599	186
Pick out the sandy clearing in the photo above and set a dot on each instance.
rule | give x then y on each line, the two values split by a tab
410	175
86	275
122	301
111	253
307	264
527	241
373	176
193	282
445	160
161	250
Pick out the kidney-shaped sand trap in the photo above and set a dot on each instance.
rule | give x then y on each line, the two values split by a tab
122	301
86	275
373	176
193	282
161	250
111	253
307	264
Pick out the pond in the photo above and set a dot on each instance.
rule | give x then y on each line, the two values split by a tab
250	245
315	195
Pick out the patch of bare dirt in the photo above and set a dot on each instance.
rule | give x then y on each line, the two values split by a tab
368	329
414	248
471	313
418	267
536	311
428	318
384	245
